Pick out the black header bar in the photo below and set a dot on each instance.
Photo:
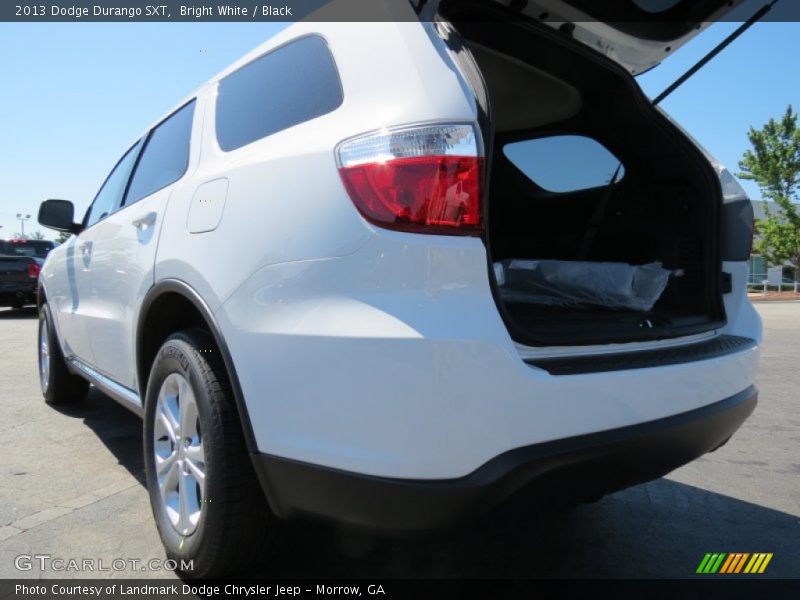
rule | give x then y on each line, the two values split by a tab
319	10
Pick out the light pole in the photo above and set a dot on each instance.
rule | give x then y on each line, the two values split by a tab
22	218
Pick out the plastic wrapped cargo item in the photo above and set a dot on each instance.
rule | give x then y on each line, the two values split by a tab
612	285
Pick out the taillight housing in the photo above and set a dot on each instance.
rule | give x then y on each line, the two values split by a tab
424	179
33	270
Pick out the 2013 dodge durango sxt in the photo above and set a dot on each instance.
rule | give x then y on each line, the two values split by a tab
391	273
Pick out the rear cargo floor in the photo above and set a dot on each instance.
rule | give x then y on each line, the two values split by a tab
593	324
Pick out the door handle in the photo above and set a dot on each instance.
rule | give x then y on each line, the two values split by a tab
144	222
86	248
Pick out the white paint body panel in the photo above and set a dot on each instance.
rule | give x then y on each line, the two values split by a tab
358	348
635	54
394	361
66	276
122	272
208	206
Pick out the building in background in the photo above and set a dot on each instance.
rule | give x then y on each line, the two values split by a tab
759	268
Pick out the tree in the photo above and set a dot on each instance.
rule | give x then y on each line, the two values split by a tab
62	237
37	235
774	163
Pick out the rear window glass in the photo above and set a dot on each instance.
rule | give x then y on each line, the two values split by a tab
165	155
34	248
290	85
564	163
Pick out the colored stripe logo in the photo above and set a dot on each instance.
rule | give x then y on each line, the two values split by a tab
734	562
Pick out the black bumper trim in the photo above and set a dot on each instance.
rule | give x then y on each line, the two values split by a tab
576	365
573	469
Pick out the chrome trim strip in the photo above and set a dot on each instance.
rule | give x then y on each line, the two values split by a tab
126	397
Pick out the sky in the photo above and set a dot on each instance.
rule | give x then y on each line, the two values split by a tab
76	95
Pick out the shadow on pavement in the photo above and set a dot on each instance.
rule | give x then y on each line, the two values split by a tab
29	312
660	529
117	427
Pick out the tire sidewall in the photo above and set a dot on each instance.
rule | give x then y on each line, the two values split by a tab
45	321
176	357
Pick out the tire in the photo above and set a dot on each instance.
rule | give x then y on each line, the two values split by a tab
59	386
225	525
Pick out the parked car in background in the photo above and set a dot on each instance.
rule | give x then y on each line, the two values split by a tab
301	278
20	263
38	249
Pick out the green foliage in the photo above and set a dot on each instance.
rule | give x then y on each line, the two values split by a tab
62	237
774	163
36	235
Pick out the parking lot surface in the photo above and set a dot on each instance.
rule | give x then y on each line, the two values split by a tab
72	486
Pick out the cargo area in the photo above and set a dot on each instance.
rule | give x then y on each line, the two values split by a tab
602	216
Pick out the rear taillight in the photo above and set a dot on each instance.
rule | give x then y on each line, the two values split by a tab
33	270
425	179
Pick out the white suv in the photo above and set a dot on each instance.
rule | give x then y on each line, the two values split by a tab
392	273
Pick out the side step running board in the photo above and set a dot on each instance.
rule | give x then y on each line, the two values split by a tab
126	397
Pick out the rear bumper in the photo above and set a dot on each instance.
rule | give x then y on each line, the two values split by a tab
393	361
574	469
12	294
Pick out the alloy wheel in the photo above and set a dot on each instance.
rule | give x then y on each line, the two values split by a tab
179	455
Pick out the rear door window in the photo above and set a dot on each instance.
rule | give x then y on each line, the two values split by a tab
165	156
564	163
288	86
109	198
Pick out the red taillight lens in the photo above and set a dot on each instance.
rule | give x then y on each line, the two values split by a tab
425	193
33	270
426	179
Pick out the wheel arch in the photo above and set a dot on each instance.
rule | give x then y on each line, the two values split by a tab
172	305
41	300
41	295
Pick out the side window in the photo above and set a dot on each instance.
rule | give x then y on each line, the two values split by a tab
564	163
109	198
292	84
165	156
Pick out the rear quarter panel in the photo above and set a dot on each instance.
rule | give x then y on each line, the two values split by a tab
285	200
